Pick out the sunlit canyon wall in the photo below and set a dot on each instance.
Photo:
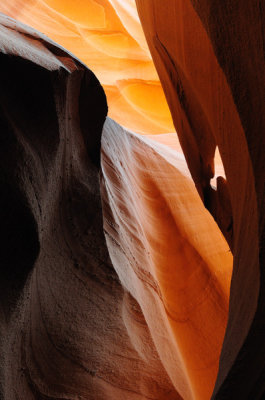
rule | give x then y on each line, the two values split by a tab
210	58
115	276
106	36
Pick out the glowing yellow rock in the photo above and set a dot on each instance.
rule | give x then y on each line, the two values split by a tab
108	38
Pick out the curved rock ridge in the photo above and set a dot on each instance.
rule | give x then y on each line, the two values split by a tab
210	59
146	322
108	37
44	98
168	253
69	329
52	109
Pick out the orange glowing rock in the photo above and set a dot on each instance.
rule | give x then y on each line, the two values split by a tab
74	323
68	328
210	59
168	254
166	289
107	36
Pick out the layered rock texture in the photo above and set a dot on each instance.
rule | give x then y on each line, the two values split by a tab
168	254
210	58
116	251
107	36
137	313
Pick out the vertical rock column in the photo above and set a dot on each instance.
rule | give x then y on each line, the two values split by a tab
210	58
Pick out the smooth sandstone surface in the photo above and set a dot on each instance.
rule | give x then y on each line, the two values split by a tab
107	36
73	323
210	59
168	254
62	306
127	301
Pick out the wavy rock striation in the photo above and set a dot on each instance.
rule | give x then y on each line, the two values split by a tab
69	329
148	321
108	37
210	58
169	255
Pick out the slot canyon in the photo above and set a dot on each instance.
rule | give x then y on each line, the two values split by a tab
132	218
